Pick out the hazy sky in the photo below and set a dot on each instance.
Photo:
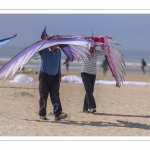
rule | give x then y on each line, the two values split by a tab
132	31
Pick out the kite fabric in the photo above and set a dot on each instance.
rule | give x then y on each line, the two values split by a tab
6	40
74	48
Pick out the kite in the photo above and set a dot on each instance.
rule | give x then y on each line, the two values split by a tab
6	40
75	48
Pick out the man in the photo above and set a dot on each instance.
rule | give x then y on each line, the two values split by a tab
143	62
49	80
88	75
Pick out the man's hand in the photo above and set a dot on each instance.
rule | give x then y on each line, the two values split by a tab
49	37
93	48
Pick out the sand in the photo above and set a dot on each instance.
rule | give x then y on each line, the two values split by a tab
121	111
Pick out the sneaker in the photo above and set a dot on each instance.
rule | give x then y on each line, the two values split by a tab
43	118
61	116
92	110
86	111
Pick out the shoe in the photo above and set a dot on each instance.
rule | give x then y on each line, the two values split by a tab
86	111
61	116
43	118
92	110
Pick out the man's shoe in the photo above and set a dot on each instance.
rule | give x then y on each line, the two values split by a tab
61	116
43	118
92	110
86	111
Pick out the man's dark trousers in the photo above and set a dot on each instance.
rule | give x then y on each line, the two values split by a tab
49	84
88	81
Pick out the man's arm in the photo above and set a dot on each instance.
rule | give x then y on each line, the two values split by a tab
40	52
59	69
102	52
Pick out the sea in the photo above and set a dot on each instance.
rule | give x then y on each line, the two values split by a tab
132	59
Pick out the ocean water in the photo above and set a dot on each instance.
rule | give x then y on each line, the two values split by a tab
132	59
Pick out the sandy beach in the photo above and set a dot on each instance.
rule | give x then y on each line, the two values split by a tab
121	111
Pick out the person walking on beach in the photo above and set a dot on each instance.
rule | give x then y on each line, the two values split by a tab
49	80
104	66
88	75
143	62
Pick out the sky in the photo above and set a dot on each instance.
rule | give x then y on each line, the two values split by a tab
132	31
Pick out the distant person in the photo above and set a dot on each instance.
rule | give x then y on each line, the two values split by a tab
88	75
104	66
143	62
67	65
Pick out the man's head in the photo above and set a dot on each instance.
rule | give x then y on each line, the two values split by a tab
53	48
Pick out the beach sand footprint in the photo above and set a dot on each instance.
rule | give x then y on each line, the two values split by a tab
22	94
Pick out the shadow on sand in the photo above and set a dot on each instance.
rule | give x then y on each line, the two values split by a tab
120	123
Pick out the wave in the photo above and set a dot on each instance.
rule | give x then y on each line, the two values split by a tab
76	65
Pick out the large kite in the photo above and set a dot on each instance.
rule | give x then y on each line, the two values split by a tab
75	48
6	40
